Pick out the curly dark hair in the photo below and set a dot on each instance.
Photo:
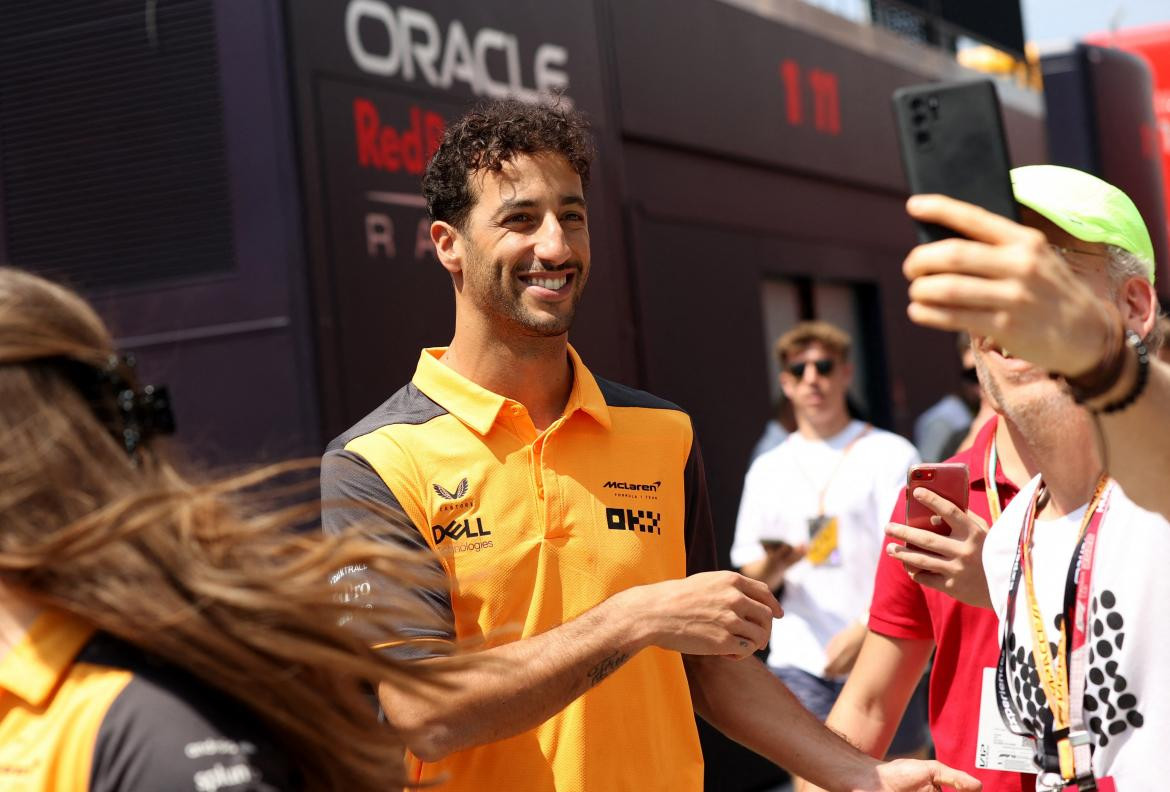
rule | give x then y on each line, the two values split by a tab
493	133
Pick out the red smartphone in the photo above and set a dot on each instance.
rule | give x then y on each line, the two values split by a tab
948	480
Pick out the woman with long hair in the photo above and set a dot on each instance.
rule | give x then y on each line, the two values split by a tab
157	632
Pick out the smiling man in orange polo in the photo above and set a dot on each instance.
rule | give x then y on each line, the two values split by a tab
568	515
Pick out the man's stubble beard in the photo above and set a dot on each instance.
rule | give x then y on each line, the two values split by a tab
506	308
1044	413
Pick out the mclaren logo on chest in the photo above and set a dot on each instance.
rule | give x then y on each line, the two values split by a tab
447	494
626	485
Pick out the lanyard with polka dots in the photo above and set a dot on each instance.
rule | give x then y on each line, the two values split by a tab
1062	677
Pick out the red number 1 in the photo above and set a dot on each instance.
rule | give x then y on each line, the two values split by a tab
790	73
826	103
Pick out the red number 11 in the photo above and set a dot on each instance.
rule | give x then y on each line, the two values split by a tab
826	99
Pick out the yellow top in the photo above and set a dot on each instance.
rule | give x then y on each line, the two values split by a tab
534	528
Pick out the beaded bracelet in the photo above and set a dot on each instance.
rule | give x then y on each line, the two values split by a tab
1134	342
1100	379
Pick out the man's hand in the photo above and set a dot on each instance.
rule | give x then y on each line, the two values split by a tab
778	558
911	775
842	650
712	613
951	564
1005	283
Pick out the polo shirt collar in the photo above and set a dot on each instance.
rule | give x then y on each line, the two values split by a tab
586	395
33	668
478	407
978	470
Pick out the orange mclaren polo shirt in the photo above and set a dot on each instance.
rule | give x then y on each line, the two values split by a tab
84	711
532	529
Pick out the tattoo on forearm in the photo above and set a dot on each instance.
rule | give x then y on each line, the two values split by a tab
606	667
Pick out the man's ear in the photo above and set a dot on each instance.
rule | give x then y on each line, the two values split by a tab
448	247
1138	305
787	384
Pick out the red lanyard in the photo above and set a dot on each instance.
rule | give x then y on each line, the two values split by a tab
1062	677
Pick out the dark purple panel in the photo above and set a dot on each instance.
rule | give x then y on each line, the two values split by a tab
229	335
724	80
1122	91
393	296
369	120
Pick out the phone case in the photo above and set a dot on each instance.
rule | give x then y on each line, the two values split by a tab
948	479
952	142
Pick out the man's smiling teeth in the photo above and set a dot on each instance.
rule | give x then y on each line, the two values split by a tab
549	283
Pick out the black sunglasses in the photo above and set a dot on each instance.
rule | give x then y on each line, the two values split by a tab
824	367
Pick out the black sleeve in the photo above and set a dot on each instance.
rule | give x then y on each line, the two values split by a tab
700	528
184	736
348	482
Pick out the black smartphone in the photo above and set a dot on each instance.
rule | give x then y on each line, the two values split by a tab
952	141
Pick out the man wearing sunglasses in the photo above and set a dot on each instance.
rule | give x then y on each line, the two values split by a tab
812	515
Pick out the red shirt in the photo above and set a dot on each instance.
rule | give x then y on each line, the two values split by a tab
966	638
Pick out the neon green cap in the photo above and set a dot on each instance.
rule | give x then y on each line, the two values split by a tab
1086	207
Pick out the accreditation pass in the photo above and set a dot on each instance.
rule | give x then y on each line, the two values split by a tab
998	748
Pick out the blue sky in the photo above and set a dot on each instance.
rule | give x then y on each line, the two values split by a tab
1055	20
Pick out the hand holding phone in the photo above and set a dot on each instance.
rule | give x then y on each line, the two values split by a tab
952	142
780	556
949	480
952	561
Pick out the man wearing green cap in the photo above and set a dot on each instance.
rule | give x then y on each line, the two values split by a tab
1063	317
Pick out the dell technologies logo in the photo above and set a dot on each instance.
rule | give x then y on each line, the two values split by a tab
459	529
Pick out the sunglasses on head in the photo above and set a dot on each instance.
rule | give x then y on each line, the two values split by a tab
1065	252
824	367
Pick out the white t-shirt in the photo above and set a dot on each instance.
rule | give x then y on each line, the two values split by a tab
1127	693
781	494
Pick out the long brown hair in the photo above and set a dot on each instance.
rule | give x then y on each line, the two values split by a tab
212	576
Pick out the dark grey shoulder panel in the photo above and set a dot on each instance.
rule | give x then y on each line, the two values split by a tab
408	406
352	493
166	730
618	395
699	525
